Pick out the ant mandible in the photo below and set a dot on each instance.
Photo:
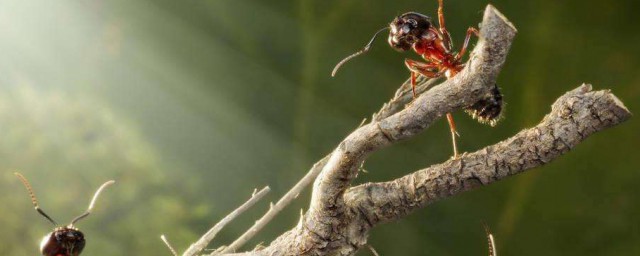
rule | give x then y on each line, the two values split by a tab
414	31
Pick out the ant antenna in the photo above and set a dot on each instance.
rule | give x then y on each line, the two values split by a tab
33	198
93	201
365	49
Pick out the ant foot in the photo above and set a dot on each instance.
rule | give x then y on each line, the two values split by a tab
410	103
457	156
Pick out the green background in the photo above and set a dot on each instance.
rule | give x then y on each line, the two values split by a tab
190	105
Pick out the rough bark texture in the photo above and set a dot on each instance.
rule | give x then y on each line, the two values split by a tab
340	216
573	117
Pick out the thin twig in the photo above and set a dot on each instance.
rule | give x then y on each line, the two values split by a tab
373	250
275	209
198	246
490	241
284	201
166	242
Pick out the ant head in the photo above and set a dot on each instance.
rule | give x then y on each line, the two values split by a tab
407	29
63	241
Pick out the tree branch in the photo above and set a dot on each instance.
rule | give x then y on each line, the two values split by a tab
574	116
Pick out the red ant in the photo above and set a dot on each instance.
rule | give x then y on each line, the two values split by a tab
414	31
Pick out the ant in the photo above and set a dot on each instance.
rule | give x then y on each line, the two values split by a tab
414	31
63	240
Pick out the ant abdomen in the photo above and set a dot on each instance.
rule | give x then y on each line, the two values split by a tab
488	110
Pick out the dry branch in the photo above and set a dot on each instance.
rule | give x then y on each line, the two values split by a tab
202	243
340	216
574	116
275	209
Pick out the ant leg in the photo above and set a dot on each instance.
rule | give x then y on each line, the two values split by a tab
452	128
443	29
420	68
463	50
441	14
425	69
413	83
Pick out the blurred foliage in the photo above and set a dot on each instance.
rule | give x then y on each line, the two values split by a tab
189	105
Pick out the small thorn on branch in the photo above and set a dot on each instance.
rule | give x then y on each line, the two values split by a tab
490	241
375	253
166	242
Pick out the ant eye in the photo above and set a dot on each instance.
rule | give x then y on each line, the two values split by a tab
413	22
405	29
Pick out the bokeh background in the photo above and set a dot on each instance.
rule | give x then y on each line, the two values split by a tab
190	105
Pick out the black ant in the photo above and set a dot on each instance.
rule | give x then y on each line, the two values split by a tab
64	240
414	31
